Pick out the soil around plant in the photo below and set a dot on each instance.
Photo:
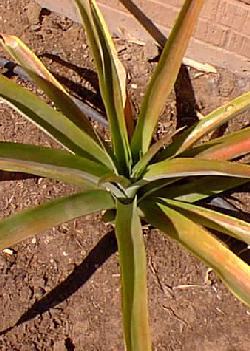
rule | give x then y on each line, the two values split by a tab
60	290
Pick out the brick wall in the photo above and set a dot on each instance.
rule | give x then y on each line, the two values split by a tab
222	35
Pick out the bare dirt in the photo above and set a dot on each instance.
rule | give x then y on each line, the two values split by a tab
60	290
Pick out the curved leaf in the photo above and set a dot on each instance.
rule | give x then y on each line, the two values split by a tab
207	124
225	148
164	76
234	272
27	59
52	122
184	167
28	223
197	189
214	220
50	163
47	82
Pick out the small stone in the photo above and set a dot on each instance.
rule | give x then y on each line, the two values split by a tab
33	240
8	252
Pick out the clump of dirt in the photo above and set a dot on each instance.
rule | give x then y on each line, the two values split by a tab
60	290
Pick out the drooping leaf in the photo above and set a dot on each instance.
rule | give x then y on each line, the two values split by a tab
225	148
51	121
164	76
207	124
214	220
232	270
133	277
28	223
27	59
50	163
46	82
184	167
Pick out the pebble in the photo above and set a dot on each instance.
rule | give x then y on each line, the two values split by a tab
8	252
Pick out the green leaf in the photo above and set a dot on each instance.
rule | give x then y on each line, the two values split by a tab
84	10
114	89
214	220
197	189
33	221
184	167
27	59
225	148
112	79
149	155
50	163
52	122
207	124
47	82
133	277
232	270
164	76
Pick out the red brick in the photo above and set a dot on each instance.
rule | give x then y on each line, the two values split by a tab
233	14
212	33
223	29
239	44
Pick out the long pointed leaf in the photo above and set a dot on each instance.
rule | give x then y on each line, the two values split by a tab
33	221
84	10
225	148
50	163
234	272
207	124
200	188
52	122
112	77
46	81
164	76
149	155
184	167
133	277
114	90
214	220
27	59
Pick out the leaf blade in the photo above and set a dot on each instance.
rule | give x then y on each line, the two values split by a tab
50	163
112	77
51	122
207	124
33	221
183	167
164	76
214	220
133	272
234	272
201	188
227	147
